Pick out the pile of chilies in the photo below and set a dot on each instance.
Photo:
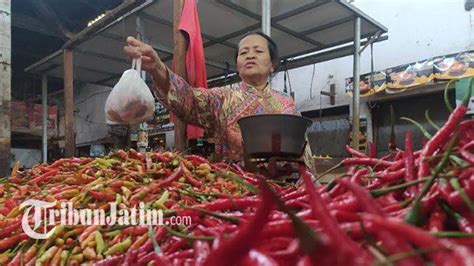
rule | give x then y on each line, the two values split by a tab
407	208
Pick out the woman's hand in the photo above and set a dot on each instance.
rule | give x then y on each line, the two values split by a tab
151	62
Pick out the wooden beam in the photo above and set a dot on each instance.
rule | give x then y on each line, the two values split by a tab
34	25
180	141
69	103
111	16
5	86
51	19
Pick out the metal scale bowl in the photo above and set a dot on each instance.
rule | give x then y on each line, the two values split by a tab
273	138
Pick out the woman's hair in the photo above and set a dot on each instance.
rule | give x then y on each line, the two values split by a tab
272	49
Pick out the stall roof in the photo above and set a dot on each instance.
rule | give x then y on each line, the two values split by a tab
306	32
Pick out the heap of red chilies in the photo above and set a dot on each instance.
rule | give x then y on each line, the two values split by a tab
407	208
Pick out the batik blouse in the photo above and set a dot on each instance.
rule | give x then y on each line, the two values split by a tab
218	109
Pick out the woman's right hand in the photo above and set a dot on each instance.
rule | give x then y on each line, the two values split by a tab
151	62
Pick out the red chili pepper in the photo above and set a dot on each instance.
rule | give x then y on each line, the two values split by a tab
161	260
42	177
176	245
146	258
328	223
409	162
111	261
366	201
201	251
135	230
11	241
182	254
355	153
293	195
223	204
230	251
187	174
372	149
437	220
16	261
256	258
367	162
356	178
161	157
439	139
466	152
116	184
345	216
87	232
9	230
102	196
136	155
196	159
172	177
413	234
391	176
10	203
346	203
245	175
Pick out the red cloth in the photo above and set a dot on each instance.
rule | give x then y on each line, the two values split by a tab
195	65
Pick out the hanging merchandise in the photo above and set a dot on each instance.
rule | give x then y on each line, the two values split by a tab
366	89
130	101
409	75
454	66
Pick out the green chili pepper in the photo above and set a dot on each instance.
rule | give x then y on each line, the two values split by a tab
47	255
119	248
78	257
112	233
126	192
64	257
118	199
100	244
57	230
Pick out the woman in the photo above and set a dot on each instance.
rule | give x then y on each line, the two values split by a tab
219	109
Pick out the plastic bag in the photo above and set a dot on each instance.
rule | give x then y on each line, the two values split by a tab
130	101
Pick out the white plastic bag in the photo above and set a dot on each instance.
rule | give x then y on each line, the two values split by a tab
130	101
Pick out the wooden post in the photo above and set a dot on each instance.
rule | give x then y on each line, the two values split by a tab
179	60
69	104
5	86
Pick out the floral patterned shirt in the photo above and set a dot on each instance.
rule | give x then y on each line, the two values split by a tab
218	109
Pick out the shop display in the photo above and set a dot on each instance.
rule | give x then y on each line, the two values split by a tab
408	207
454	66
379	84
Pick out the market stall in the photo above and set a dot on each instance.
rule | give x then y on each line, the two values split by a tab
302	41
406	206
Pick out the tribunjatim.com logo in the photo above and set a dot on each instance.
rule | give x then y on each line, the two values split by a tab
44	213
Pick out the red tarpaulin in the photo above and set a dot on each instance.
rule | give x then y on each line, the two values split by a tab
195	65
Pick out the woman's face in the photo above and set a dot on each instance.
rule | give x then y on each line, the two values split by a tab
253	59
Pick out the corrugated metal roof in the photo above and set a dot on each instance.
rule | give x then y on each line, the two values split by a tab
299	27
